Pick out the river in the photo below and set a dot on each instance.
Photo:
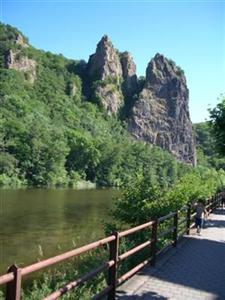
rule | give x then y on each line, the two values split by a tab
38	223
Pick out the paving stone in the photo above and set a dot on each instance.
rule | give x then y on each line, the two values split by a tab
193	271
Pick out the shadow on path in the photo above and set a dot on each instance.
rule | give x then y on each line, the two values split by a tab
198	264
219	211
146	295
214	223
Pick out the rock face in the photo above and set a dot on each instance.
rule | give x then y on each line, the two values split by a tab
105	65
161	114
105	62
21	63
110	98
20	41
156	109
129	74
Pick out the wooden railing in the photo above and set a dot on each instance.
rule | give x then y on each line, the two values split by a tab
184	217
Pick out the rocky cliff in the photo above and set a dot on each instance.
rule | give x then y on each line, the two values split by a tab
155	110
14	60
129	74
161	114
105	62
114	73
105	71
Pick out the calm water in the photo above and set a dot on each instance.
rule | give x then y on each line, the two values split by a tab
36	224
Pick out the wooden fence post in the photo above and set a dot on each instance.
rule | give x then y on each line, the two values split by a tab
154	242
175	230
13	288
112	275
188	219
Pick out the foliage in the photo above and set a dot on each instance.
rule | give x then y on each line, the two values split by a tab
217	122
51	136
207	154
8	36
68	271
204	138
144	199
177	68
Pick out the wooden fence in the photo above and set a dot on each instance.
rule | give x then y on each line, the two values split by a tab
13	278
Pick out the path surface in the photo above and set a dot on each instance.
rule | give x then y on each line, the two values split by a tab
193	271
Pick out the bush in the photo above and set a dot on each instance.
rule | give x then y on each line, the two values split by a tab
144	199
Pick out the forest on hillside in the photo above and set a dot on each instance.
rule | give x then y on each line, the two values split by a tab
53	136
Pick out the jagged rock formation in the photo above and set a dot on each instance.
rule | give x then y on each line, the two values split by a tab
105	65
118	71
110	98
13	60
161	115
156	111
129	74
105	62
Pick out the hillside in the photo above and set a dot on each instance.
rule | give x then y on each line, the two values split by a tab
207	154
65	120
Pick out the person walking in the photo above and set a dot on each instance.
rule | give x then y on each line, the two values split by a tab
223	200
201	214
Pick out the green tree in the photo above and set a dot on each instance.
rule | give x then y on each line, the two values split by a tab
217	122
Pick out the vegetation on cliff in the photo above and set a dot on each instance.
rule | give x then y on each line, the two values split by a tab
217	122
51	135
206	146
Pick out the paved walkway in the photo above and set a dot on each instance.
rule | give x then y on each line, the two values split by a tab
193	271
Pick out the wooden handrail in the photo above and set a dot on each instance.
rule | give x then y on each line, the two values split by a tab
79	281
134	250
162	234
133	271
170	215
14	276
135	229
56	259
182	221
193	215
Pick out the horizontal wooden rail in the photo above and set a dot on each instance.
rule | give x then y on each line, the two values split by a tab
193	215
135	229
133	271
59	258
170	215
182	221
79	281
14	276
6	278
134	250
162	234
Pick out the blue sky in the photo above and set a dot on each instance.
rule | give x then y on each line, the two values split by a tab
192	33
